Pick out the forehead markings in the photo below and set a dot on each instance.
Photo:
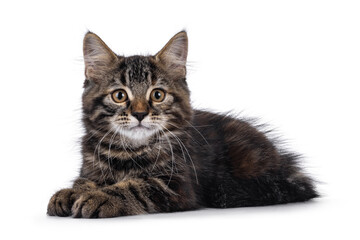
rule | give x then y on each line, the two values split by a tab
123	78
137	78
152	78
127	77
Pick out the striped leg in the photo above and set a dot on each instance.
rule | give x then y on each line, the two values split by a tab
136	196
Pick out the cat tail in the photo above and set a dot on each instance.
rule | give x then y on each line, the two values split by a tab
286	185
297	185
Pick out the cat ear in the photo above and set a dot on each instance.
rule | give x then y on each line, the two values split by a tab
173	55
98	56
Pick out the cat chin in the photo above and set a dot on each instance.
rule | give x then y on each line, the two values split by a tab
138	135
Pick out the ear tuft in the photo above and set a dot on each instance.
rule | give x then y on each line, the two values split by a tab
98	56
174	54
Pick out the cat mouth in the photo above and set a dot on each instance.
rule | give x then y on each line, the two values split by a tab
140	127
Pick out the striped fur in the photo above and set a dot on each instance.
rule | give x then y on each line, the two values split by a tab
173	158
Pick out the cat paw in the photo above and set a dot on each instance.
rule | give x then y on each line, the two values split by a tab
96	204
61	202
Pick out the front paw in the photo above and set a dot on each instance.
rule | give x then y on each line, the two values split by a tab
96	204
61	202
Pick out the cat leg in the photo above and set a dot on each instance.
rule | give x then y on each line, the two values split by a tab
131	197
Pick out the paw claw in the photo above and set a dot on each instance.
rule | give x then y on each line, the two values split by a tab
93	204
61	202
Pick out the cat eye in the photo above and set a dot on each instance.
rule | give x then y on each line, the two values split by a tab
157	95
119	96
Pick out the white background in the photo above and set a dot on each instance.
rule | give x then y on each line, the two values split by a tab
294	64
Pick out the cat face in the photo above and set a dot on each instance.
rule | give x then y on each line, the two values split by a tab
137	97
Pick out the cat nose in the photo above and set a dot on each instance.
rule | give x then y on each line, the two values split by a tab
140	115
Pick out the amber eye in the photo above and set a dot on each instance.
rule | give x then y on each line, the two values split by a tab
119	96
157	95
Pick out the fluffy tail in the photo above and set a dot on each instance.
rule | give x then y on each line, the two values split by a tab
289	184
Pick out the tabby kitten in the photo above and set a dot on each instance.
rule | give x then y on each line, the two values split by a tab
146	150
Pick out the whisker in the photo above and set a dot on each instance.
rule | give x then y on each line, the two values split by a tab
197	131
172	156
188	134
158	154
97	148
95	131
181	143
109	152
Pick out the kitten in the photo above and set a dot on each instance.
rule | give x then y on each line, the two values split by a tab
146	150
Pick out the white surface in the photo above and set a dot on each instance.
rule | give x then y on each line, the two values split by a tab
295	64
